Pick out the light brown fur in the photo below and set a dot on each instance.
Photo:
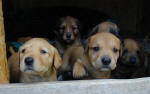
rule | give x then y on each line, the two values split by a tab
83	61
105	27
45	65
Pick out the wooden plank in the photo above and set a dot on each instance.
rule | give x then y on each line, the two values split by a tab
104	86
4	76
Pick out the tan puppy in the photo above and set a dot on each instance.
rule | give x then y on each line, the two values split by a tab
39	61
105	27
131	63
97	58
67	33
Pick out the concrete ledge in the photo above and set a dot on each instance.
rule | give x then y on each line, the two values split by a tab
106	86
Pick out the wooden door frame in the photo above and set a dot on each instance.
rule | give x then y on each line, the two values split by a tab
4	74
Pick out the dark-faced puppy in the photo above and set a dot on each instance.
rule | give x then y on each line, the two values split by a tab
98	57
131	63
67	33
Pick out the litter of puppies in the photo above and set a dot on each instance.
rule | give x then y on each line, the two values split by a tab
103	55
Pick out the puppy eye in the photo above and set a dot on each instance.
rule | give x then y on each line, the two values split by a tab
96	49
43	51
115	50
23	50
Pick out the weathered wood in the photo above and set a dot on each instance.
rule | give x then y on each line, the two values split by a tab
103	86
4	76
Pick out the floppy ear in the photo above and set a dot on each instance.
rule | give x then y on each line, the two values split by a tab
86	45
121	50
93	31
57	59
121	39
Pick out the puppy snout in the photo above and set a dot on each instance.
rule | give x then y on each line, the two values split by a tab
106	60
29	61
133	60
68	35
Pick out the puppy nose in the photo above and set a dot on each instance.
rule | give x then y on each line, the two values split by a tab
68	35
106	60
133	60
29	61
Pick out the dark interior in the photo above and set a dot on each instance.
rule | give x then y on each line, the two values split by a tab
37	18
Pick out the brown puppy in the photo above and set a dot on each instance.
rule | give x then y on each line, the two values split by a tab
105	27
67	33
98	57
131	63
39	61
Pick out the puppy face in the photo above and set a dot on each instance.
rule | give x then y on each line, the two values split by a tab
131	53
37	56
103	51
68	29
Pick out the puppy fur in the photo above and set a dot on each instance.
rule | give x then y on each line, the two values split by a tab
67	33
13	63
90	58
39	61
131	63
105	27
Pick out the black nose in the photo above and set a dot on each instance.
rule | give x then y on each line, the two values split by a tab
68	35
133	60
29	61
106	60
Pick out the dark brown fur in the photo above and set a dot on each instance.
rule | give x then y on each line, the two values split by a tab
131	63
67	33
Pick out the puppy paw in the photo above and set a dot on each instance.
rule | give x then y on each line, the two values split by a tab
79	70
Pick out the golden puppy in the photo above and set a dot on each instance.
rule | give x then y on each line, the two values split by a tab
39	61
98	57
67	33
131	63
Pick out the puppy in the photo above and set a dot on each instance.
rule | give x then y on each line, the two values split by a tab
105	27
39	61
97	58
131	63
67	33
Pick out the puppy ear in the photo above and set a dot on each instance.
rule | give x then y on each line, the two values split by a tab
86	45
121	50
118	36
93	31
57	59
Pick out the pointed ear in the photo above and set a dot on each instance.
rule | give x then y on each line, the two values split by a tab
57	59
